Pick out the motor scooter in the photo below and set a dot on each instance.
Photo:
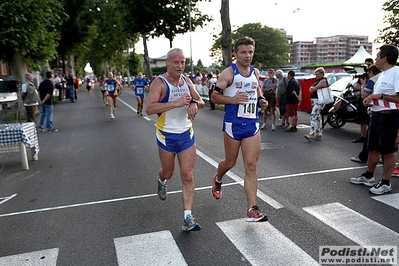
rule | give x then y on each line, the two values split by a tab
344	108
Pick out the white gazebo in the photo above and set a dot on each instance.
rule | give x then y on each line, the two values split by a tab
359	57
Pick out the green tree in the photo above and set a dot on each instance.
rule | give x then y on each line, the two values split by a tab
135	63
271	47
75	30
199	63
390	34
154	18
28	33
108	45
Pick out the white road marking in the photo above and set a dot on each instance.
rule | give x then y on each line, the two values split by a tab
169	192
134	110
353	225
5	199
158	248
47	257
389	199
262	244
240	181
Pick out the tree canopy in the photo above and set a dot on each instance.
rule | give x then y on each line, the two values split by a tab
271	47
390	34
28	32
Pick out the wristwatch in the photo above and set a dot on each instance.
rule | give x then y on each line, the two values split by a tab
382	96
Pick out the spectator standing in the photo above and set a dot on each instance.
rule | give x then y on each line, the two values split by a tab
292	98
362	116
77	85
46	88
30	99
269	92
280	95
71	87
174	98
211	84
366	89
58	85
383	128
241	97
316	127
368	62
197	78
63	88
139	84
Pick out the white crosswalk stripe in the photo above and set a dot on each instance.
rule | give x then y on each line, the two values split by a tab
47	257
389	199
353	225
271	247
158	248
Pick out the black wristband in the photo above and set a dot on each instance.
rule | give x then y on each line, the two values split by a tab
194	101
217	89
261	97
382	96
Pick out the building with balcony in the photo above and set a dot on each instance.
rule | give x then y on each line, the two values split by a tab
327	50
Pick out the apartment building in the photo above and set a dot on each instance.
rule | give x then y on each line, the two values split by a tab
327	50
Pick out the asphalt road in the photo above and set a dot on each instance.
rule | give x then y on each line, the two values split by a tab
91	198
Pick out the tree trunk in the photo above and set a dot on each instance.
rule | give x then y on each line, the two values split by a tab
18	70
146	59
226	33
18	66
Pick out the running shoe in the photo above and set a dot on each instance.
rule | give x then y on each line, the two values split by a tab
112	116
362	180
380	188
395	172
216	188
189	224
263	127
273	128
162	189
254	215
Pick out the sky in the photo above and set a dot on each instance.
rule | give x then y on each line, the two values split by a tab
303	19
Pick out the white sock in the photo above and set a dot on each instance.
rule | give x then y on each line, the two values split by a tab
163	182
186	212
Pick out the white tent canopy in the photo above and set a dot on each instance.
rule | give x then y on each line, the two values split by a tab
359	57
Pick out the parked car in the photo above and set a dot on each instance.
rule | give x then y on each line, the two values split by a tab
333	77
341	84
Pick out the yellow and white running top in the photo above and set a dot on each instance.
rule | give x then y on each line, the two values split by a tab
175	120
